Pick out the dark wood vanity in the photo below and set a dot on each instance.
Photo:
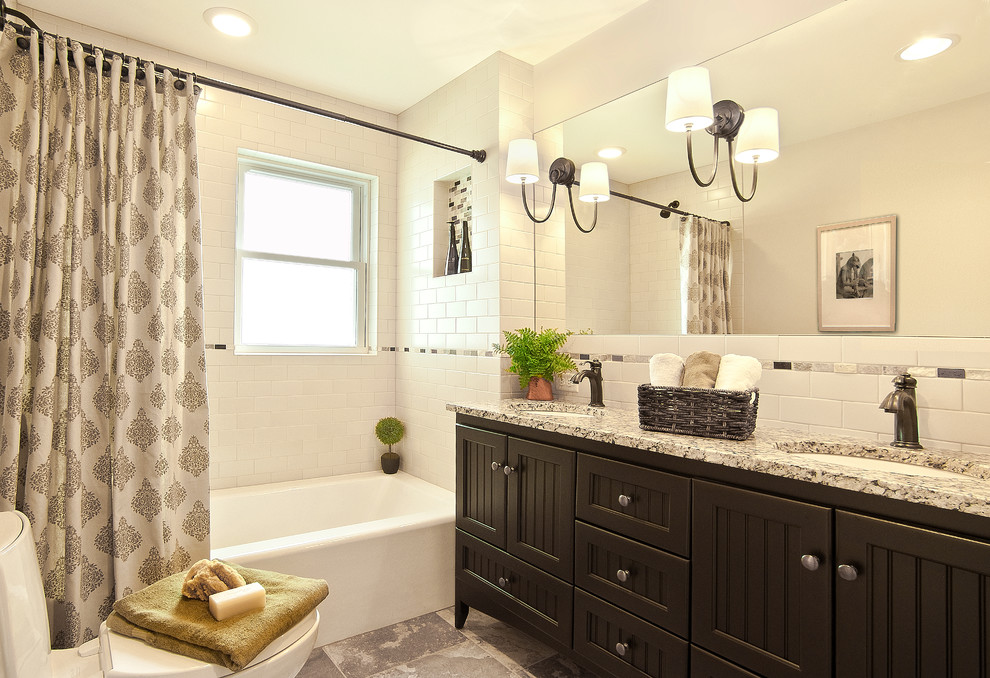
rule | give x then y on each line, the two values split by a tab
644	564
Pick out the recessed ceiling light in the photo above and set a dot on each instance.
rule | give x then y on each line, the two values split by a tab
229	21
927	47
611	152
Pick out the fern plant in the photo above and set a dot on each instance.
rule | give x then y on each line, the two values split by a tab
536	354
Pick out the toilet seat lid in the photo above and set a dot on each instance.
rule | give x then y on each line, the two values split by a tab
124	657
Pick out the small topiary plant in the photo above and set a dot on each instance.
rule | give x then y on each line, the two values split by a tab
389	431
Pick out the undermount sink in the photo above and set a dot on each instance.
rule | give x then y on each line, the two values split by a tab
873	464
555	414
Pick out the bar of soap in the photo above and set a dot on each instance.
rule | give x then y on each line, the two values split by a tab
247	598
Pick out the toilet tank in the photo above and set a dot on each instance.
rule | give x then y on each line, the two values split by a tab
25	646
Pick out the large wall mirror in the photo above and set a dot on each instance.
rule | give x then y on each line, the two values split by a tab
862	134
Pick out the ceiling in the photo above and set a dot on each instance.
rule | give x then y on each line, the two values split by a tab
386	54
829	73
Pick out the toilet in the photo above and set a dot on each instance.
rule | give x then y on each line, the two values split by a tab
25	648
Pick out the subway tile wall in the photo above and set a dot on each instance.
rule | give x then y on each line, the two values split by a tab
482	109
826	384
275	418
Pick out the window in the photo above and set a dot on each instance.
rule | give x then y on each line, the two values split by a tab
301	268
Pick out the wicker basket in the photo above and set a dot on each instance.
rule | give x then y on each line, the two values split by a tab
707	412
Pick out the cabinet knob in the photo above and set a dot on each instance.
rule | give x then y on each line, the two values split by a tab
848	572
625	500
621	649
622	575
504	582
508	470
810	562
496	466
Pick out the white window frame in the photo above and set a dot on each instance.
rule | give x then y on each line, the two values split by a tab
360	186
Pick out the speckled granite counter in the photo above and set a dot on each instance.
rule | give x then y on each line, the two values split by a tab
772	451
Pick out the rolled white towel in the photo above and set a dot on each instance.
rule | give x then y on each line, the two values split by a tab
666	369
738	373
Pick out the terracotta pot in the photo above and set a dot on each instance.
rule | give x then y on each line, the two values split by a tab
390	462
539	389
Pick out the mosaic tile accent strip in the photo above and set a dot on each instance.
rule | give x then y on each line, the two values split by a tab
839	368
796	366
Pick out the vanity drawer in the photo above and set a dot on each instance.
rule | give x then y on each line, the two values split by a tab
487	576
623	645
705	665
656	586
644	504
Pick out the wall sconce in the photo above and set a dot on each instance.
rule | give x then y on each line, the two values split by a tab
523	167
689	107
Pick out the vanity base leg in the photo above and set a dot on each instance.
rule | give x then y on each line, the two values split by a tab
460	614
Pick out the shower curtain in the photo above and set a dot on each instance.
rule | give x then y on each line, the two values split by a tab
706	272
104	434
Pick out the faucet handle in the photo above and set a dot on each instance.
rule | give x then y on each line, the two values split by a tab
904	381
594	363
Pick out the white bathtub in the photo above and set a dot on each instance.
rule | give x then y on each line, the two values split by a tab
384	543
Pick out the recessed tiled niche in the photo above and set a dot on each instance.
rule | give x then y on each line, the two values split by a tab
451	202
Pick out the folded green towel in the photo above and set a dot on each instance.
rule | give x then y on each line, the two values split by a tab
161	617
701	369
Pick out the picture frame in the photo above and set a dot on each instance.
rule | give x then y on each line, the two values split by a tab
857	267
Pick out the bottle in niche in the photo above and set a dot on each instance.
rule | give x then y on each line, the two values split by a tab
452	256
465	249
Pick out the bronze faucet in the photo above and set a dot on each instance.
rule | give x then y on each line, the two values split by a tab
594	375
903	402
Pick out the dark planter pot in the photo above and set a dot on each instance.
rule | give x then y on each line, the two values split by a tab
390	462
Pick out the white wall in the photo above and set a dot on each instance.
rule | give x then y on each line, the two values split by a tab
447	324
646	44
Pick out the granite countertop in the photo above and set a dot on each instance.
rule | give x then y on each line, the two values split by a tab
771	450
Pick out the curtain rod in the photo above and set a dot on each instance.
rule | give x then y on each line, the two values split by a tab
477	155
665	210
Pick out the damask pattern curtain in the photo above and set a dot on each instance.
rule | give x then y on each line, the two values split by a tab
706	274
103	403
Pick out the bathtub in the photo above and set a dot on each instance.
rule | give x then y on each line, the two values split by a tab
384	543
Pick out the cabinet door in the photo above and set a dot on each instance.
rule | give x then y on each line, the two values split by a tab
919	604
753	600
540	515
481	458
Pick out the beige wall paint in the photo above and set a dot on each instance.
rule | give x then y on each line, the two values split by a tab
922	167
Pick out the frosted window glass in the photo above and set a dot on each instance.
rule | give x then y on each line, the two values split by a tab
297	217
291	304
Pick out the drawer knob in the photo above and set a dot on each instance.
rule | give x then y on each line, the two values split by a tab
508	470
622	575
504	582
496	466
810	562
848	572
621	649
625	500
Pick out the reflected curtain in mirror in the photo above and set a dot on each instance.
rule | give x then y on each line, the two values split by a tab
706	271
103	442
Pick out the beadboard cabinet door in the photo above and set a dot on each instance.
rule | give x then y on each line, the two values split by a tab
915	603
754	599
540	506
481	457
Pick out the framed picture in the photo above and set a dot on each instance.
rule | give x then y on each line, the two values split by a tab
857	275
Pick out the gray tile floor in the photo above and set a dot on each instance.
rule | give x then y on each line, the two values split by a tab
430	647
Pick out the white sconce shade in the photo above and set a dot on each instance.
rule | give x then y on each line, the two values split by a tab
594	182
759	139
522	166
689	99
